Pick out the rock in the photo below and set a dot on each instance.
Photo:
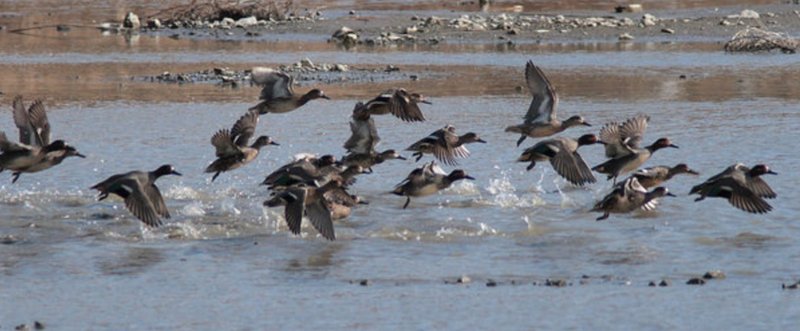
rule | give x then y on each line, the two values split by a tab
364	282
491	283
747	13
341	68
154	23
629	8
131	21
414	77
21	327
410	29
246	22
651	284
512	32
63	28
668	31
649	20
38	325
664	283
351	12
463	280
714	274
306	63
226	22
696	281
555	282
724	23
625	36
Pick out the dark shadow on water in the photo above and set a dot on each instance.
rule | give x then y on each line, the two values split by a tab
135	260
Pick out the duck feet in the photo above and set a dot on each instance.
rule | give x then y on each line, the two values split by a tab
408	200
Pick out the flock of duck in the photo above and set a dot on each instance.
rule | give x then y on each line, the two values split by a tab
316	187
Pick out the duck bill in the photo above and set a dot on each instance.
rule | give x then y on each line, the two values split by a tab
80	155
673	146
274	143
481	141
176	173
771	172
363	202
669	194
601	142
586	124
400	157
325	97
469	177
692	172
426	102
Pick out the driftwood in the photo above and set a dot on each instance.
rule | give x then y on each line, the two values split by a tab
757	40
216	10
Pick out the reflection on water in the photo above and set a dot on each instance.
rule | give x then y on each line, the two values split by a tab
134	260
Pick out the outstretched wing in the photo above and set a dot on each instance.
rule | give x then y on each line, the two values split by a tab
223	142
277	85
244	128
545	99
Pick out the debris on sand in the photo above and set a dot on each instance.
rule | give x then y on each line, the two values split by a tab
757	40
231	13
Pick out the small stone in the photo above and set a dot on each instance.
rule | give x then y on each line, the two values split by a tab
154	23
664	283
555	282
351	12
131	21
714	274
21	327
513	32
252	34
38	325
630	8
306	63
341	68
63	28
246	22
747	13
696	281
391	67
668	30
411	29
491	283
226	22
625	36
724	23
682	77
414	77
651	284
463	280
649	20
364	282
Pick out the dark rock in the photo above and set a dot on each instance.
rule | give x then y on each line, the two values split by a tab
682	77
714	274
63	28
463	280
38	325
21	327
664	283
491	283
668	30
555	282
652	284
364	282
696	281
414	77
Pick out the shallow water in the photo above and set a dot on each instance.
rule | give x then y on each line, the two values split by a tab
224	262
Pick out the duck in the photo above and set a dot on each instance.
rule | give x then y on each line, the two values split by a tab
278	95
139	190
306	200
742	186
398	102
312	171
654	176
231	145
562	152
620	138
629	196
35	152
340	203
541	120
361	144
631	161
445	145
427	180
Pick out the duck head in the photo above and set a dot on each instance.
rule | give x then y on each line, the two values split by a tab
662	143
166	169
263	141
459	174
391	154
761	169
471	137
682	168
576	120
589	139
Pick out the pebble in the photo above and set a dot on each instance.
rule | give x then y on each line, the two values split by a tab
491	283
463	280
696	281
668	30
649	20
724	23
364	282
629	8
626	36
21	327
38	325
664	283
714	274
63	28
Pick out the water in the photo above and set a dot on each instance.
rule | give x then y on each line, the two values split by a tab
225	262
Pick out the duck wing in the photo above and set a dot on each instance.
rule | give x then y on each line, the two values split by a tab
740	196
571	166
404	107
320	217
277	85
622	138
136	201
8	146
155	197
244	128
223	142
295	204
364	137
545	98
